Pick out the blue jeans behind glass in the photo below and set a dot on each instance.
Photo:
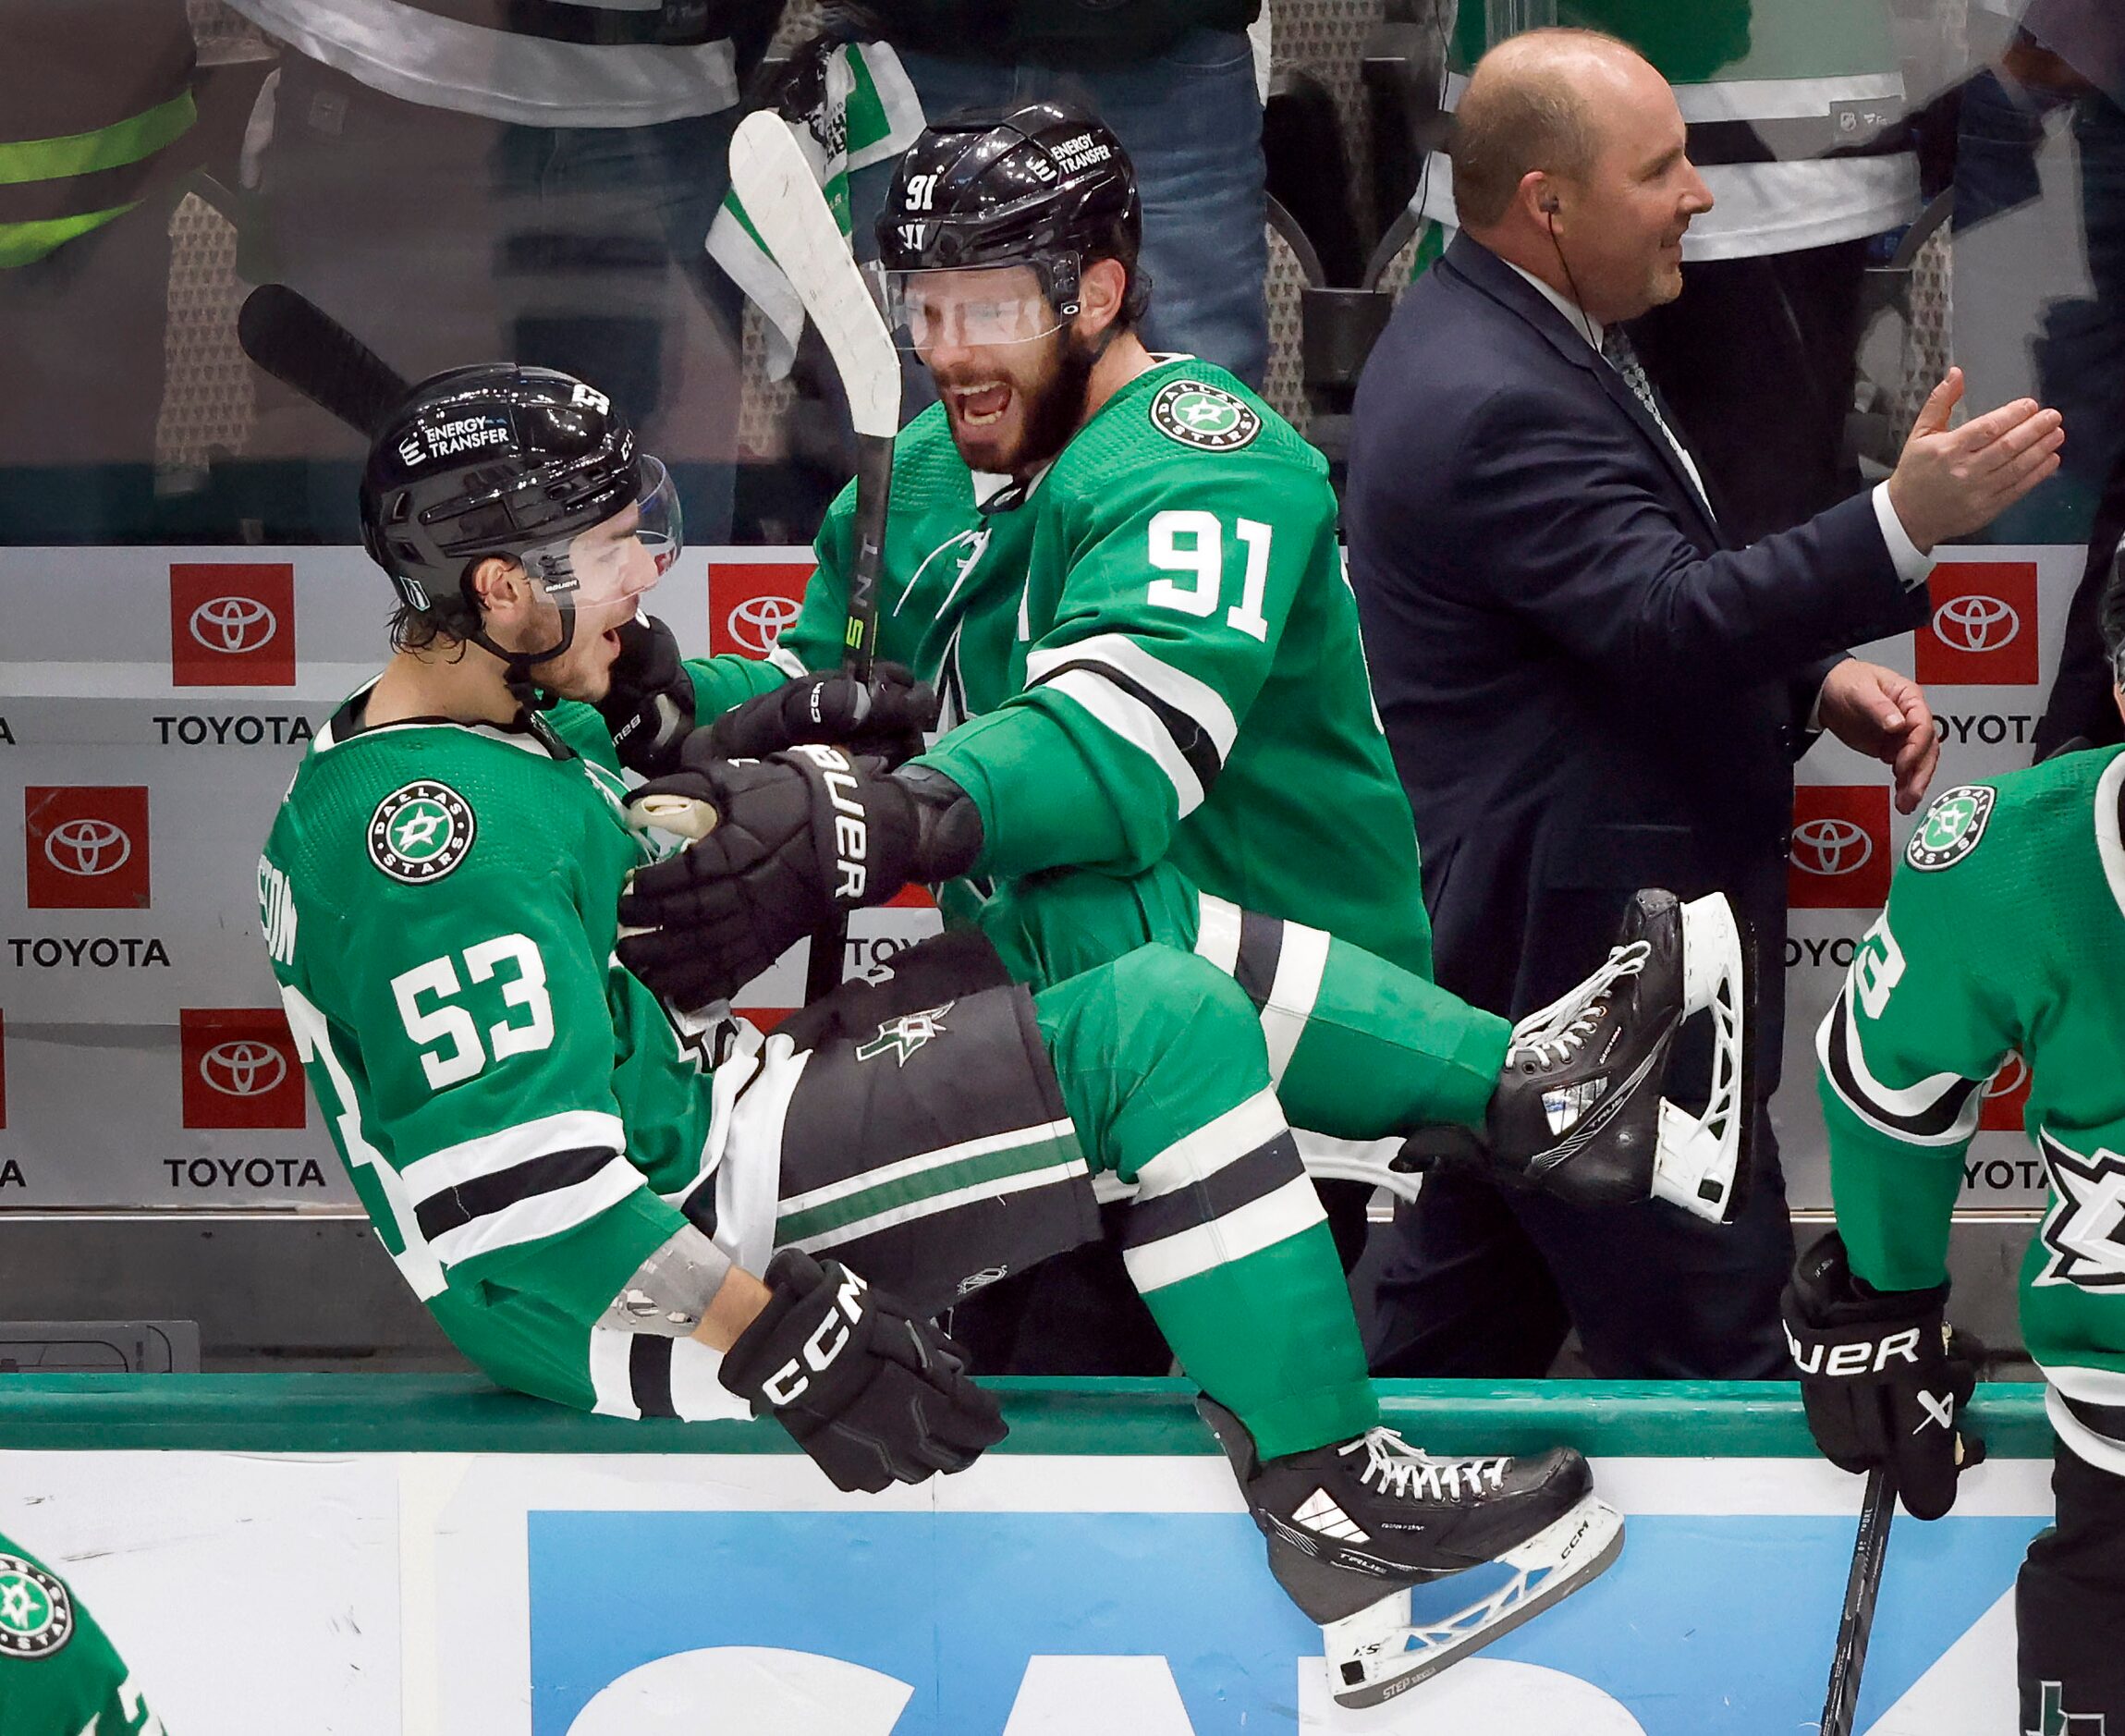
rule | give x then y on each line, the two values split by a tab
1192	122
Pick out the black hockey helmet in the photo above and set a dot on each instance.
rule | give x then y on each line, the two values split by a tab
1046	185
502	459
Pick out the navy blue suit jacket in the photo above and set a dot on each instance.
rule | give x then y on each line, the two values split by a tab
1587	688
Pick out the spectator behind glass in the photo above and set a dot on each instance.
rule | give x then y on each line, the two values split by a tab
1175	78
1590	684
529	179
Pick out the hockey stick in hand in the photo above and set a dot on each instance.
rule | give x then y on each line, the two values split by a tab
1856	1621
787	209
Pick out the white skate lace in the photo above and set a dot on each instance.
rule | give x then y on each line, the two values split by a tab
1394	1467
1554	1033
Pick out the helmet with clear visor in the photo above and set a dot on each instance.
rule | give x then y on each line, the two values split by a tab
991	219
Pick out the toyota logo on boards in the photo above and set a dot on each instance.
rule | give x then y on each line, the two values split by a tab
1839	855
753	601
1831	847
1975	622
85	847
240	1068
1982	631
756	624
89	848
232	624
243	1069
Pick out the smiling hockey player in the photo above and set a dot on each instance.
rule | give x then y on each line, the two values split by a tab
1120	571
645	1215
2004	933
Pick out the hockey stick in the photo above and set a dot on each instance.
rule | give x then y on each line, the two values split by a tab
1863	1585
301	345
787	209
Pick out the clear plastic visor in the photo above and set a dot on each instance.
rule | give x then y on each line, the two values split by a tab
620	558
969	307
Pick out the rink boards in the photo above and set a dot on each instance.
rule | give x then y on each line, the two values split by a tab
382	1554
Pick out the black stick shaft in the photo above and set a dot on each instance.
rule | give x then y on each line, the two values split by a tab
1863	1584
822	970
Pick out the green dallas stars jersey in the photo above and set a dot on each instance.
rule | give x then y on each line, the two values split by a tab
2005	930
59	1676
1155	655
516	1111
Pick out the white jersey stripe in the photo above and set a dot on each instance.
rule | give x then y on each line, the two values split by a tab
1300	963
2100	1451
612	1383
572	1130
1131	658
1217	933
1247	1127
1291	1209
2091	1385
1875	1099
541	1215
1130	718
696	1392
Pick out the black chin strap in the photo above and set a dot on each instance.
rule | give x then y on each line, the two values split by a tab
517	664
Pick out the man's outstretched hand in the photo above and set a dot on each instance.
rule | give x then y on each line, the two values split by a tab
1951	482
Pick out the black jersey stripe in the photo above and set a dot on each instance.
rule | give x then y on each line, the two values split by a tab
2107	1420
480	1196
1261	1172
1191	740
649	1374
1261	950
1931	1122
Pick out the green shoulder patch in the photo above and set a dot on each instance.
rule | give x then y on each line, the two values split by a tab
36	1615
1198	414
420	831
1951	827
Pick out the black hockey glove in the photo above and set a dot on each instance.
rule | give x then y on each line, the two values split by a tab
873	1394
798	838
649	707
1883	1377
885	718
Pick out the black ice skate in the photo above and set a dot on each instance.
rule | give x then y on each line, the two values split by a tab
1578	1110
1351	1527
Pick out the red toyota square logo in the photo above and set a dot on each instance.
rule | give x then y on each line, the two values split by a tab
752	602
240	1068
86	847
2005	1096
1841	858
232	624
1983	630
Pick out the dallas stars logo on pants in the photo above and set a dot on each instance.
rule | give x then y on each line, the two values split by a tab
902	1036
2053	1719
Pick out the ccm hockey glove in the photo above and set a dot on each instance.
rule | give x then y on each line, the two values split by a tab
797	839
649	705
885	718
872	1394
1883	1377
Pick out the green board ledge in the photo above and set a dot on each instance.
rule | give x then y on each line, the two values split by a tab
352	1414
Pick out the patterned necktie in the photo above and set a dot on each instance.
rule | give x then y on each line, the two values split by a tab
1618	351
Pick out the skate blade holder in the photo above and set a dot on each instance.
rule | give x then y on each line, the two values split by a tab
1698	1164
1379	1652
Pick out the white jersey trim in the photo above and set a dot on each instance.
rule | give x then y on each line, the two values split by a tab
1124	716
571	1129
1242	1129
1218	932
1176	686
538	1216
1247	1230
2108	846
1301	964
2099	1450
1877	1102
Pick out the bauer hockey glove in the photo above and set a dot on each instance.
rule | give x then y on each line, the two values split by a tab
872	1394
1883	1377
649	703
797	837
885	718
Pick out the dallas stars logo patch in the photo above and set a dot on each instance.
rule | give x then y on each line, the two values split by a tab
36	1615
420	832
902	1036
1205	416
1951	826
2085	1227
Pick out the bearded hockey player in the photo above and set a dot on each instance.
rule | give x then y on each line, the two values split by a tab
2004	933
59	1674
646	1215
1120	571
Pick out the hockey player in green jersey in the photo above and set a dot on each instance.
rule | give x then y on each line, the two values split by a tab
643	1213
1120	571
59	1674
2004	934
